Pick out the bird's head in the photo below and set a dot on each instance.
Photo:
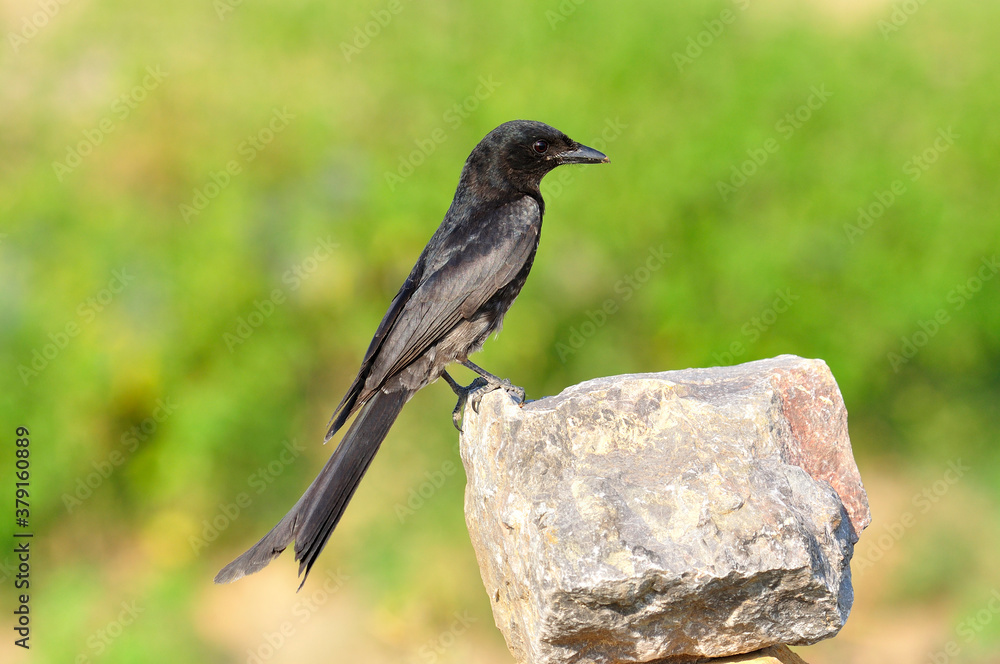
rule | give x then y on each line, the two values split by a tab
519	153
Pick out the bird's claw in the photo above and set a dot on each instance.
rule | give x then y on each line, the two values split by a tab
474	393
463	398
515	392
477	390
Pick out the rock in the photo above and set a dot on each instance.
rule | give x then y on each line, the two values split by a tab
666	517
772	655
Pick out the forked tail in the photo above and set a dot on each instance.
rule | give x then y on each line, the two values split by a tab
312	520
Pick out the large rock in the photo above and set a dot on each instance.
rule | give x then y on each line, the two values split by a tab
668	516
772	655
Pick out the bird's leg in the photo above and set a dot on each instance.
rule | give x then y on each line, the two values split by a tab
492	383
476	390
463	396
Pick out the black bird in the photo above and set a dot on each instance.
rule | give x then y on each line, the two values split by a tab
455	297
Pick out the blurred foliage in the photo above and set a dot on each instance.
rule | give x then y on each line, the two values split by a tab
134	309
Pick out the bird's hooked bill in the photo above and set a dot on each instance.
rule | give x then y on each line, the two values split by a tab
583	155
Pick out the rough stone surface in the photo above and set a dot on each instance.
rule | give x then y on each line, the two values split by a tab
772	655
666	517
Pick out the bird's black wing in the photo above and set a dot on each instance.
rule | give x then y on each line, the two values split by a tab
475	266
352	401
448	284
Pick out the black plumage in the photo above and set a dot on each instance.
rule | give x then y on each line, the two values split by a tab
464	282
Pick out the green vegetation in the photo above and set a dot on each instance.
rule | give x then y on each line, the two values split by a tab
205	209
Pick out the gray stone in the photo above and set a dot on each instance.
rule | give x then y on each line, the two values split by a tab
668	516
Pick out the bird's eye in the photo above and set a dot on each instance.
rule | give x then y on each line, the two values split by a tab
540	147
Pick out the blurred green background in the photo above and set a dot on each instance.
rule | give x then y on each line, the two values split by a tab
206	207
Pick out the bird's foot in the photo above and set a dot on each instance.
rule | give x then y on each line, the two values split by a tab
495	383
474	393
463	398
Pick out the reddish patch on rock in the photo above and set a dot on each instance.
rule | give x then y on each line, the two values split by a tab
817	416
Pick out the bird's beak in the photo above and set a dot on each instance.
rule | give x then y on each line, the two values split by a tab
581	154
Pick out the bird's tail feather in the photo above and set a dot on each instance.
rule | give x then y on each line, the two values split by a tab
312	520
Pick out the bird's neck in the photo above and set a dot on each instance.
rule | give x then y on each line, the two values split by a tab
490	181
